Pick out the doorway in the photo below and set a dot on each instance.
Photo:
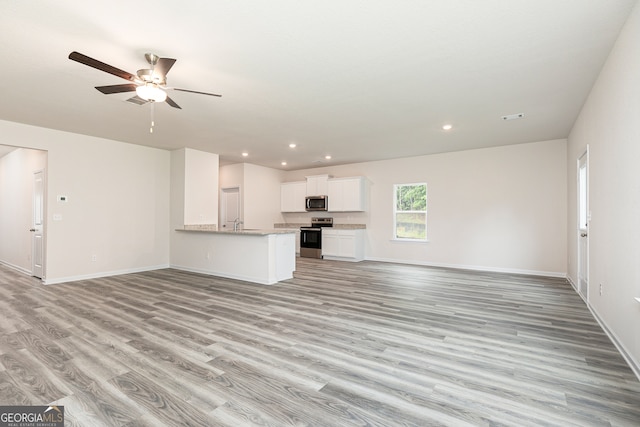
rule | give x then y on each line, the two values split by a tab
230	208
23	190
37	226
584	216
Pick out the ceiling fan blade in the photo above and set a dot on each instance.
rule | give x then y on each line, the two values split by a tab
172	103
195	91
129	87
84	59
163	66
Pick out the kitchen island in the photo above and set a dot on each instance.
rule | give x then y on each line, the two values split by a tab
259	256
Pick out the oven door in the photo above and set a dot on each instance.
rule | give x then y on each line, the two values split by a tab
311	242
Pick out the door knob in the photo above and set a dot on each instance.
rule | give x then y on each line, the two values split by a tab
583	234
32	229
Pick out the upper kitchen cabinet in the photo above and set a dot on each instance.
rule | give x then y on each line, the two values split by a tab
317	185
347	194
292	196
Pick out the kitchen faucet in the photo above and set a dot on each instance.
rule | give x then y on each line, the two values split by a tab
236	223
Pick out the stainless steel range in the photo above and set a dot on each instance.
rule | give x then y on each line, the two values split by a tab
311	237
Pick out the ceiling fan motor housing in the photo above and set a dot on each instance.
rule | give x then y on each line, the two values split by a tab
148	76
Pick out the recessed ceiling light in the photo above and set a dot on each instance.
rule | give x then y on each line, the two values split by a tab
447	127
284	163
292	145
327	157
245	154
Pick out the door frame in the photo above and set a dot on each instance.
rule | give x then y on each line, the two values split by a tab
223	204
41	271
583	156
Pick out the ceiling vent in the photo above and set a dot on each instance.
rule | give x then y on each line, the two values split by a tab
513	116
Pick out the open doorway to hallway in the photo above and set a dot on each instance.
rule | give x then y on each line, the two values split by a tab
583	225
23	188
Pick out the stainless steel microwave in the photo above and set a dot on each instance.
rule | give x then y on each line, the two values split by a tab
316	203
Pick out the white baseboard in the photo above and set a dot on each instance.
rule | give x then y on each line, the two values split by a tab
575	288
226	275
15	267
474	267
635	367
58	280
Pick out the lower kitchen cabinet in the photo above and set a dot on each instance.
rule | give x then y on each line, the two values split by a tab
345	245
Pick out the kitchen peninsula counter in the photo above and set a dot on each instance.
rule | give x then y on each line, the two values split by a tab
264	256
338	226
241	231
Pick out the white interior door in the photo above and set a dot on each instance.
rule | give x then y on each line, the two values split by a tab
583	226
230	206
37	226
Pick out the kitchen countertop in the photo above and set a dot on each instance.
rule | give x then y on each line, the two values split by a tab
204	228
336	226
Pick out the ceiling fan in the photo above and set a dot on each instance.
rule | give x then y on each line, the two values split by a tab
149	84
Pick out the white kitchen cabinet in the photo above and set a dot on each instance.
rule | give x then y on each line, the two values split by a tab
297	231
347	194
317	185
345	245
292	196
330	244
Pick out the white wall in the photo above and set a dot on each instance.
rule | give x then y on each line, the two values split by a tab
261	196
232	175
200	187
177	190
259	192
16	205
500	209
609	124
118	206
194	187
194	200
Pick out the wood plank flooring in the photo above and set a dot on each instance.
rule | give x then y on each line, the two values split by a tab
341	344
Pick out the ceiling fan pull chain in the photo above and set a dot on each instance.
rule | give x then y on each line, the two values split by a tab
152	121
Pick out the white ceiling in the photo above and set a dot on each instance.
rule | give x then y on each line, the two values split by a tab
357	79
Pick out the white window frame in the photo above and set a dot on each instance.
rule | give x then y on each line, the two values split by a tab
396	211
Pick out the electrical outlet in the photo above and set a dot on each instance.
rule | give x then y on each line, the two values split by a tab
600	289
94	258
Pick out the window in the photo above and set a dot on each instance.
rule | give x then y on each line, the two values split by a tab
410	211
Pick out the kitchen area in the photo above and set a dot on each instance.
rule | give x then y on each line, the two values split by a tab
330	233
318	216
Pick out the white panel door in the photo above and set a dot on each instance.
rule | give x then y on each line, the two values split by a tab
230	207
37	226
583	226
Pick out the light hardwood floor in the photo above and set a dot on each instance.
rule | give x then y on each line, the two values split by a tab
341	344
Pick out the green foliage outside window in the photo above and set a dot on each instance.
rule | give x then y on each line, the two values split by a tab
411	211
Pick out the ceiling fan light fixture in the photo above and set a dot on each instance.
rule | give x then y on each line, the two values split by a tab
151	92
